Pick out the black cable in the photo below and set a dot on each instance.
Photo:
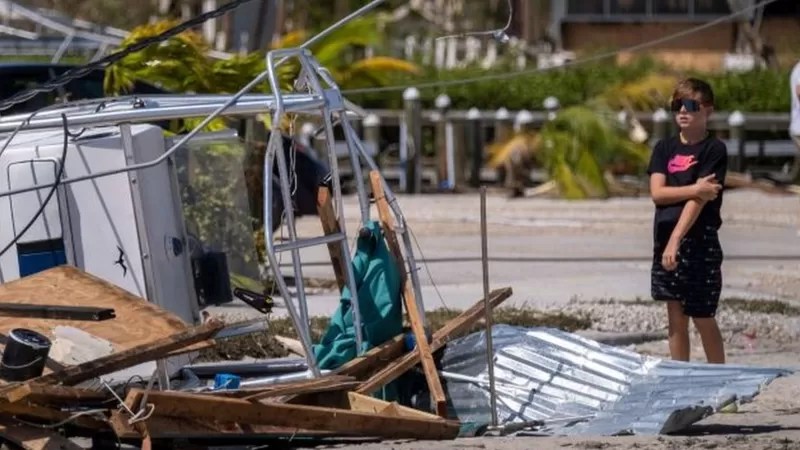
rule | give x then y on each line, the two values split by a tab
49	194
84	70
425	265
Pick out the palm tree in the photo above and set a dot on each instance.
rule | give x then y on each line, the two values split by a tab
581	147
343	53
178	64
181	63
585	146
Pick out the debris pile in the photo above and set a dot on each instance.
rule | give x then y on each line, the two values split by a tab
117	376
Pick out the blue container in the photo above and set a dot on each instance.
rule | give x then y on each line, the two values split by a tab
411	341
223	381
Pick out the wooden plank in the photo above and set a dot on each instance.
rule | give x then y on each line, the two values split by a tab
385	216
137	320
331	226
30	438
130	357
322	384
46	394
423	349
291	345
414	317
449	331
361	367
179	428
360	402
309	386
340	421
50	415
374	359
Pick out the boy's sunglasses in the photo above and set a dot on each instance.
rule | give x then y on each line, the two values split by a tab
690	104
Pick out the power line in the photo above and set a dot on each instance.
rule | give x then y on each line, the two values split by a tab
84	70
506	75
79	72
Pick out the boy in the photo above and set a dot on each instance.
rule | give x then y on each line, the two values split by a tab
687	172
794	125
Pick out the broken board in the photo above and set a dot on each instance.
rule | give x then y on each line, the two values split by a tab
441	337
414	316
340	421
198	429
137	321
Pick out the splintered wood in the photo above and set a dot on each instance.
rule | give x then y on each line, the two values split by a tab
341	421
414	316
330	225
125	359
452	329
43	412
137	321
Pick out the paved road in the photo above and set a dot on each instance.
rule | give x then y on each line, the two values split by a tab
550	251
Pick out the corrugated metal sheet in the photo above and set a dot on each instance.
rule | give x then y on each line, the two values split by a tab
580	387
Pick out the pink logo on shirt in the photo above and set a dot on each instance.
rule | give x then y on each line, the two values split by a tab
679	163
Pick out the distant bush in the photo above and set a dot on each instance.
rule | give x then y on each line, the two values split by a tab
755	91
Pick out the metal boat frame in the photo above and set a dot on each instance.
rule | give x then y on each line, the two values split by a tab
315	94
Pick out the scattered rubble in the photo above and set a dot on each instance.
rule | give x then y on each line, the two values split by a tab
741	321
86	396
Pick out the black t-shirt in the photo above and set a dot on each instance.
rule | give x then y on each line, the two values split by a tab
683	164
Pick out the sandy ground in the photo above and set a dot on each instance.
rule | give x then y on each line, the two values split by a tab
770	422
554	253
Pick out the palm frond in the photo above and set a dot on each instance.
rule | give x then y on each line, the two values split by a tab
565	179
291	39
646	94
374	71
590	175
361	32
385	64
512	150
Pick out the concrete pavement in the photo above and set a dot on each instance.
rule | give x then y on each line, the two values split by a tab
551	251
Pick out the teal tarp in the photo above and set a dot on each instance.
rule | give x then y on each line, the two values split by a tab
378	287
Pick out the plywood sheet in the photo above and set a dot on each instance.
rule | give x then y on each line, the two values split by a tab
137	321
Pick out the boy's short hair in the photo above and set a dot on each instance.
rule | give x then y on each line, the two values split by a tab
689	87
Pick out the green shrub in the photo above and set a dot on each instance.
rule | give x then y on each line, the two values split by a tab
755	91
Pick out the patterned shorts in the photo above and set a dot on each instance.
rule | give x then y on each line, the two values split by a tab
697	281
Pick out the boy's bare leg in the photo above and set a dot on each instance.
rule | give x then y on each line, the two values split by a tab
678	331
711	338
